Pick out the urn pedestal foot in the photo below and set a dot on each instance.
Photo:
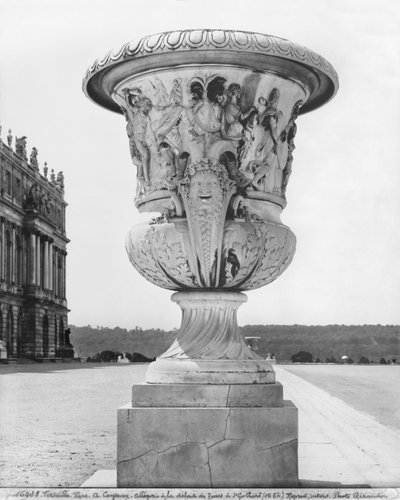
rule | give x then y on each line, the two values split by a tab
209	348
198	436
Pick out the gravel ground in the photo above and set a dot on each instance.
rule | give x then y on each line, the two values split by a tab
58	422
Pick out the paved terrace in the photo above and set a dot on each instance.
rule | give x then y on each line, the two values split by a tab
58	426
339	447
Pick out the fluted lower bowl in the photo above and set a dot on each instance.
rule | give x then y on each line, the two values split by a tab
253	255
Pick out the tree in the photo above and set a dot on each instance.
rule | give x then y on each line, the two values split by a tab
302	357
383	361
318	360
363	361
107	356
138	357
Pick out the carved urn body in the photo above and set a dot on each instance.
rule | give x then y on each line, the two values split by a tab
211	121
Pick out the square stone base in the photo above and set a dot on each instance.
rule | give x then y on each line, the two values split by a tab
201	447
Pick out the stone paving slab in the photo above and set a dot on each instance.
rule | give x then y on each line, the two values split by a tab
338	444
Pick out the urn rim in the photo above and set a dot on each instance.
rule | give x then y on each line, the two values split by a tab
246	49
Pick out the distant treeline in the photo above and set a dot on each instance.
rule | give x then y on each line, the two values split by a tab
332	341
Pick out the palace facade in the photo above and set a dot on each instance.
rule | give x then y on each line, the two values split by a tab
33	304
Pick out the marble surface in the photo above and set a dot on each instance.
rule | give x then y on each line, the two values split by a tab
207	447
203	395
210	371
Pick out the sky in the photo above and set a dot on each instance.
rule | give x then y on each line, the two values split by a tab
343	196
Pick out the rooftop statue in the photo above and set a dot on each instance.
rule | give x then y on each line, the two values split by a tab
20	147
33	158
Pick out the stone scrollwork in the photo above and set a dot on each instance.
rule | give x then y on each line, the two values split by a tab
157	251
244	256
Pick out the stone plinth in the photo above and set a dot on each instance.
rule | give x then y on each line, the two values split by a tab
203	395
207	436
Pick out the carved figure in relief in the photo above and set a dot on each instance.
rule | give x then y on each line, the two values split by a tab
37	199
143	144
207	111
288	135
176	95
174	124
233	261
163	171
20	146
32	197
232	115
260	159
194	127
33	158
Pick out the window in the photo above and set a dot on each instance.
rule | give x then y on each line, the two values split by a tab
7	182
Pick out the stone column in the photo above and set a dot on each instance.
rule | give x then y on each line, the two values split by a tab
56	273
2	256
61	271
13	256
38	263
64	275
32	259
50	264
46	265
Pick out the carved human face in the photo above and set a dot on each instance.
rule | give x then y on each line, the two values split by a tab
221	99
205	189
261	105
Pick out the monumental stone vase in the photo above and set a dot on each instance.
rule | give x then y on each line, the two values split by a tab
211	122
